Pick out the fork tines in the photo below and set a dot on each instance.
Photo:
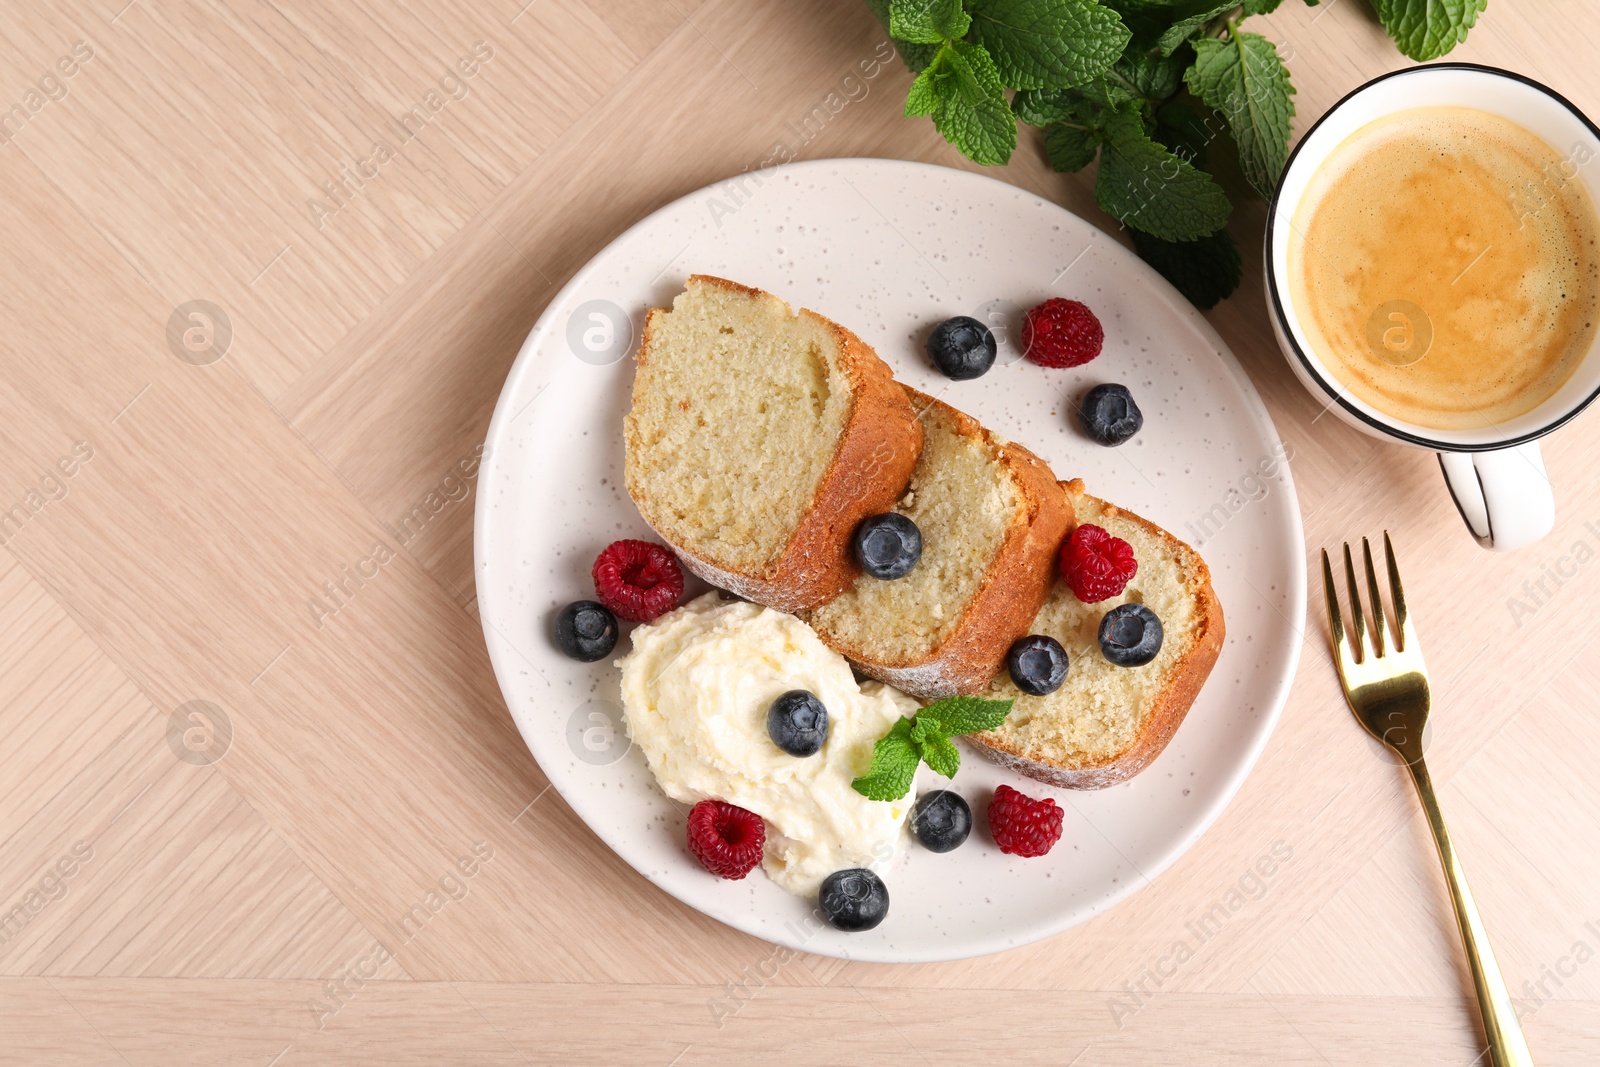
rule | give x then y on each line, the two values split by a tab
1379	645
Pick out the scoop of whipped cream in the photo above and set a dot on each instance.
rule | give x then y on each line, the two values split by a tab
695	692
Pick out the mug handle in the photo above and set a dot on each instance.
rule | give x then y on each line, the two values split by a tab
1504	497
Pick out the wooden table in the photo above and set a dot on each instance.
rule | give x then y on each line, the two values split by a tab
276	521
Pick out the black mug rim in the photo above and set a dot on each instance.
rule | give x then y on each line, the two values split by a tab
1388	429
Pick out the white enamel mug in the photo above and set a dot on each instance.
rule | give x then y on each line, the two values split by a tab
1495	474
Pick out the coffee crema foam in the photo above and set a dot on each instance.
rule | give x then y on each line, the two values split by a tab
1444	269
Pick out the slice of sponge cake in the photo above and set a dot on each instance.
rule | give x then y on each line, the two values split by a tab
1106	723
992	516
759	437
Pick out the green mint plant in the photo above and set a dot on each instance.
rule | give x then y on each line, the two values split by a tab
1145	86
926	738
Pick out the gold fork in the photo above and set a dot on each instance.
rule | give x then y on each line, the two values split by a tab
1387	687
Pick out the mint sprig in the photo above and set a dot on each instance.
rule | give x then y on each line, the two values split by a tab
926	738
1145	87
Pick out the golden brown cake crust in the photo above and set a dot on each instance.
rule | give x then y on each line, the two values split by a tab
1171	704
876	453
1009	595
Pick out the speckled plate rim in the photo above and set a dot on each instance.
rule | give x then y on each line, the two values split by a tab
506	659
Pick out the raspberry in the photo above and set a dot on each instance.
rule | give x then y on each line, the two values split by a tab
1021	825
1096	565
727	840
637	580
1061	333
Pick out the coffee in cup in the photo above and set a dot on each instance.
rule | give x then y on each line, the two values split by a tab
1431	269
1444	267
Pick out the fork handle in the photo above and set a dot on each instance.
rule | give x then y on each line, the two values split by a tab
1506	1045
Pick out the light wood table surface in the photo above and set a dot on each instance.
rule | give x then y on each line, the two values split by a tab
285	534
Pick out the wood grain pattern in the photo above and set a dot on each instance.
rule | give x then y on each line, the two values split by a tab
381	196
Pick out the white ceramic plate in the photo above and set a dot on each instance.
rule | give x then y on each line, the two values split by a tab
890	249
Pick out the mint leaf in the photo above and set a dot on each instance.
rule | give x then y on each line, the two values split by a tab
1244	79
967	715
1048	44
1187	27
961	89
1265	7
1204	270
1152	77
1181	130
894	765
1041	107
914	56
1106	94
927	21
1427	29
941	754
1150	189
888	783
923	96
1070	148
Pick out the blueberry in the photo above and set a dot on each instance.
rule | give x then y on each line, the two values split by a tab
887	546
853	899
941	820
1038	664
798	723
1109	414
961	348
586	631
1130	635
